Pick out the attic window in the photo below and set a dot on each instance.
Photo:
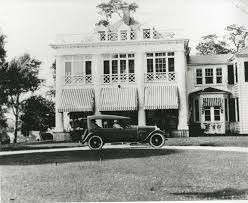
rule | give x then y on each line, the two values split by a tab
123	35
112	36
146	33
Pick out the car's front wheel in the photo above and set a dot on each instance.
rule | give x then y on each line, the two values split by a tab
95	143
157	140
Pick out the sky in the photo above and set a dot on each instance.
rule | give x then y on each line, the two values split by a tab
31	25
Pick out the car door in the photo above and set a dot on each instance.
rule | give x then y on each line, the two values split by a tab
129	134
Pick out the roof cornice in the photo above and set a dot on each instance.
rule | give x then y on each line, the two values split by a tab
116	43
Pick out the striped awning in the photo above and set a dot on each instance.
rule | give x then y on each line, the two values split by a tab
213	101
161	97
118	99
74	100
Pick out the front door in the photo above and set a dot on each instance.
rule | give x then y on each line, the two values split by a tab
213	120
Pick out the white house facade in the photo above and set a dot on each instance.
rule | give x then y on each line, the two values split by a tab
135	70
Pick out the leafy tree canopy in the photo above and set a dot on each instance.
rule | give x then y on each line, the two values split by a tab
113	7
236	36
38	114
18	77
233	41
210	44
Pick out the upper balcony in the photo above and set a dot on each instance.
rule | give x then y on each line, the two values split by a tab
123	35
123	78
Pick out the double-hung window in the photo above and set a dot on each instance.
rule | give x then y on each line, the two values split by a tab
218	75
209	76
198	76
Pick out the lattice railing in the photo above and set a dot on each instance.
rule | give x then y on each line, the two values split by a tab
118	78
78	79
160	77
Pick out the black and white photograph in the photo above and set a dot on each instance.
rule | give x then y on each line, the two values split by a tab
123	100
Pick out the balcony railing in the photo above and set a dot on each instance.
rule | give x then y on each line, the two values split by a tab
126	35
160	77
78	79
118	78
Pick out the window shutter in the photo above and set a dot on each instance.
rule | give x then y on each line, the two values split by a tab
230	74
246	70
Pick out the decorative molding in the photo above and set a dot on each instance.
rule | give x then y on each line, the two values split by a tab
117	44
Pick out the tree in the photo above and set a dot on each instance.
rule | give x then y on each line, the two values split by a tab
2	50
210	44
2	62
17	78
38	114
113	7
52	91
237	36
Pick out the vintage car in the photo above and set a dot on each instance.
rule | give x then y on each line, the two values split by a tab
103	129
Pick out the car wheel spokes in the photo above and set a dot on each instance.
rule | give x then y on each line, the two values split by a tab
95	142
157	140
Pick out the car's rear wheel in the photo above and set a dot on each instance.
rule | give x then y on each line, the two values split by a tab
157	140
95	143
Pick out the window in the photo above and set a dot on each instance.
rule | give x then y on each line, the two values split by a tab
171	64
160	64
217	113
88	67
123	66
209	75
237	108
123	35
207	113
157	62
246	70
149	65
67	68
218	75
114	67
106	67
131	66
196	110
232	116
230	74
236	72
198	76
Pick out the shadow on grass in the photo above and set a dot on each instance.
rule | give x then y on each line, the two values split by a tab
77	156
227	193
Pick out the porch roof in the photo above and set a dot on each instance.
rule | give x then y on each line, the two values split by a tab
161	97
74	100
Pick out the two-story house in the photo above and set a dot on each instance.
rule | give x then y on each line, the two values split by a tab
136	70
127	68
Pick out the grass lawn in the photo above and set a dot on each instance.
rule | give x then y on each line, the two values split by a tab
124	175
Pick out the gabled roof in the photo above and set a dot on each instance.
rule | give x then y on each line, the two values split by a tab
209	59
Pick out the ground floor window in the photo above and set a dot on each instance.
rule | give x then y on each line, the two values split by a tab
207	113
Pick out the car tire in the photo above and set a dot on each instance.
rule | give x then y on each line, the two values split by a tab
95	143
157	140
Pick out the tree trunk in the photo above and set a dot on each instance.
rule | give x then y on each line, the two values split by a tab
16	128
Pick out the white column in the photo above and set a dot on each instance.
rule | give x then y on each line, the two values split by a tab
139	72
59	123
181	71
97	71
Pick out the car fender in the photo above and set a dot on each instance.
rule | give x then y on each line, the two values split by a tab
156	131
87	137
